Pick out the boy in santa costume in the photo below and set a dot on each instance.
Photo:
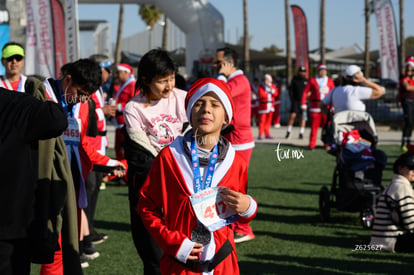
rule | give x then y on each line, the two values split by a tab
194	189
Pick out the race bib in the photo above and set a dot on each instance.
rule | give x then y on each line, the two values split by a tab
323	91
211	210
71	135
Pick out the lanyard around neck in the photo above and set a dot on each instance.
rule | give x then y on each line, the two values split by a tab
198	186
10	87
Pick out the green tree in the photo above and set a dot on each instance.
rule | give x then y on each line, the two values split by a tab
150	14
272	49
409	41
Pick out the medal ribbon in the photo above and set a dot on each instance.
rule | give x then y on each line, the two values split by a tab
198	186
8	85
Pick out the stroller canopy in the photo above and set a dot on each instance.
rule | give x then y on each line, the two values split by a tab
346	121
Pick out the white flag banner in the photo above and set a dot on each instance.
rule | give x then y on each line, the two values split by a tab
388	40
72	30
40	56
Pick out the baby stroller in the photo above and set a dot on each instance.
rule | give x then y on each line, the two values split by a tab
356	183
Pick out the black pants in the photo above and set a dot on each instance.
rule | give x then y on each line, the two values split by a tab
408	109
14	257
147	248
93	183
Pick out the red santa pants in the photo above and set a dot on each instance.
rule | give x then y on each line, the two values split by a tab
265	121
317	120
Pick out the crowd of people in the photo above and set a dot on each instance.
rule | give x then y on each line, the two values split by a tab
61	131
169	142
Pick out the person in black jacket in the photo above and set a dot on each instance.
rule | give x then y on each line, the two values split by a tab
297	86
24	121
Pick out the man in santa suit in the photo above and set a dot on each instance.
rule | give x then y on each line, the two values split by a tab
194	189
267	92
316	89
241	136
126	91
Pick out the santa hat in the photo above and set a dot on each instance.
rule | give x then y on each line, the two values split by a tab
268	76
321	67
205	85
125	67
409	61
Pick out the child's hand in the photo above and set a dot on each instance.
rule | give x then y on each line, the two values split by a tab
236	201
198	248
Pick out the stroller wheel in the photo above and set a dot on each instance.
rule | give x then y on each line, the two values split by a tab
367	218
324	203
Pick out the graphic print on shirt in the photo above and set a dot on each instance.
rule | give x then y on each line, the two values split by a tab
163	129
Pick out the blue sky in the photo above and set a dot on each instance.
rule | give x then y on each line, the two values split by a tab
344	21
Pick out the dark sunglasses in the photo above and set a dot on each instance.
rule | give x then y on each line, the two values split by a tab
17	57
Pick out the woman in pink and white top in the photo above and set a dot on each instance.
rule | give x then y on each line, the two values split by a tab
153	119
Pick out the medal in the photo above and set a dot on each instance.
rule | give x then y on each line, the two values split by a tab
201	234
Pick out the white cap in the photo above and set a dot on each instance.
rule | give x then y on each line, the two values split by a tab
352	70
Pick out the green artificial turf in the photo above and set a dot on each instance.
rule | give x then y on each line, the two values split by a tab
290	238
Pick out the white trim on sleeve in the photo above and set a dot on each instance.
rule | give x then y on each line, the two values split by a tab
185	250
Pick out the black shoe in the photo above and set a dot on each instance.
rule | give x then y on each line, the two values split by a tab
287	134
300	136
88	250
96	238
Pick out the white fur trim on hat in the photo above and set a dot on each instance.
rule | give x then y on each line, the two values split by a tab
123	68
209	87
409	63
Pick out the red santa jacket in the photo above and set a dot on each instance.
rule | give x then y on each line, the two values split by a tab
100	142
266	98
125	92
88	151
242	136
317	93
166	210
403	93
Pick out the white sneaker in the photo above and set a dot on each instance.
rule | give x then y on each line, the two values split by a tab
277	126
239	238
103	186
83	261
